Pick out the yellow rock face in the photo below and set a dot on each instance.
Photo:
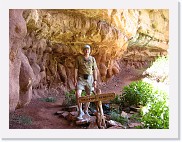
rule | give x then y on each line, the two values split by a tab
111	33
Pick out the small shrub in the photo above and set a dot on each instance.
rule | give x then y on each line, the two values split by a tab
117	100
155	110
155	114
137	93
136	117
83	93
48	99
25	120
70	98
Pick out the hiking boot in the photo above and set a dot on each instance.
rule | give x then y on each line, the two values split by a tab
80	116
86	112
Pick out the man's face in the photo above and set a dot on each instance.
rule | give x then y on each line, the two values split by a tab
86	51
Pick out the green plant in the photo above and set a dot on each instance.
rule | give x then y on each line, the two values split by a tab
83	93
157	116
156	113
70	98
136	117
137	93
48	99
21	119
117	117
155	110
138	127
117	100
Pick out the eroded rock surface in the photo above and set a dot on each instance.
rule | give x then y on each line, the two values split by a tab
51	40
17	31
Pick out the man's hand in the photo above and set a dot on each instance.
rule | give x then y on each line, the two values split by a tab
95	84
75	83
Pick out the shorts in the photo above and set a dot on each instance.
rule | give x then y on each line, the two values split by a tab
85	84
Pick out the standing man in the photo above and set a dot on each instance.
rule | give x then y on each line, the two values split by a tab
85	77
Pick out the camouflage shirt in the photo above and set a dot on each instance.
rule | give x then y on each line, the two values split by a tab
85	66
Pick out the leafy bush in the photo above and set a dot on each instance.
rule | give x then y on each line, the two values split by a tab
136	117
137	93
156	113
83	93
48	99
155	110
157	116
70	98
117	100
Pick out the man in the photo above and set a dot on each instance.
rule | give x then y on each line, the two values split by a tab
85	77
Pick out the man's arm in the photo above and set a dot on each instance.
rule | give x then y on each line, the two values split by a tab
95	74
95	78
76	72
75	77
94	69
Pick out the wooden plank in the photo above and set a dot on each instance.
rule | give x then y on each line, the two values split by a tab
95	98
86	99
105	97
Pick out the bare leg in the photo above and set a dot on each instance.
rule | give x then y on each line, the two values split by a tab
81	113
87	106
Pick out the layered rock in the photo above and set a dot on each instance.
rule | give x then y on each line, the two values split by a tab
45	43
17	31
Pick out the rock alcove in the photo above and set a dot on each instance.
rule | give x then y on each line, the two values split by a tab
45	43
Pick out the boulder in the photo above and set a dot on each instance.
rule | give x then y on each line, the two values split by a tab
26	79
